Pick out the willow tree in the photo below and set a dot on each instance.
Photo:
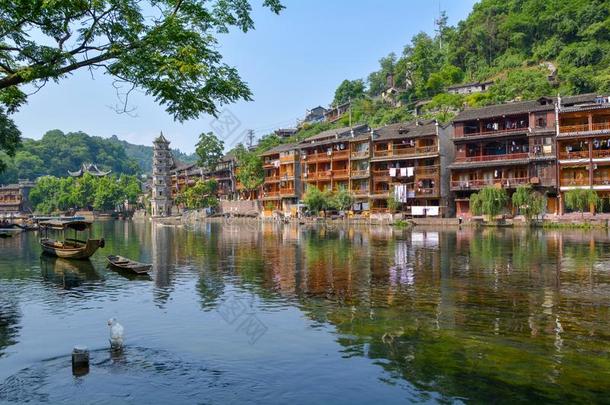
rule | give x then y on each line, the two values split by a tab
168	49
528	202
582	199
489	201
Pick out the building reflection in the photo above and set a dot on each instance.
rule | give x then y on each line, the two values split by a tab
429	301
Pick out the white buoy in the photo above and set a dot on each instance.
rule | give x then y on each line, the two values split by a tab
80	360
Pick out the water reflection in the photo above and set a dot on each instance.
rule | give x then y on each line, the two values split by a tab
67	274
473	314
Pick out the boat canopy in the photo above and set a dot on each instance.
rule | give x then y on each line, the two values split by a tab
61	225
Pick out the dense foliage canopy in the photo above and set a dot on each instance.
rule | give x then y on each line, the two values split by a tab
54	194
165	48
56	153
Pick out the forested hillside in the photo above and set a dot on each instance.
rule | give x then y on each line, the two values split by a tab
528	48
515	43
56	153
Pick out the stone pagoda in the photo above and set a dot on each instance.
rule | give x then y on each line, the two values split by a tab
161	201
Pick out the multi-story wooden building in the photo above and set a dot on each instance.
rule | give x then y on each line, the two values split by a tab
504	145
282	184
407	162
14	198
360	170
325	158
583	145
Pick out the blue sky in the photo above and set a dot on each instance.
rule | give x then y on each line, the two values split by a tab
291	62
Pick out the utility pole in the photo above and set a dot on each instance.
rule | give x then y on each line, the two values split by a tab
250	137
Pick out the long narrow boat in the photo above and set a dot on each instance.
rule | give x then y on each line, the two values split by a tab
68	248
124	263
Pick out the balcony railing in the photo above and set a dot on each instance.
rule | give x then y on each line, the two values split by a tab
580	154
272	178
360	155
361	191
287	191
497	132
576	182
381	175
310	176
480	183
489	158
427	170
404	150
360	173
339	173
288	159
601	181
601	153
426	191
340	154
271	193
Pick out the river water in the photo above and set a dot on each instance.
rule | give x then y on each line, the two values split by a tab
270	313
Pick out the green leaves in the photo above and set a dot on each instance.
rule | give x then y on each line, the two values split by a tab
489	201
201	195
210	150
582	199
530	203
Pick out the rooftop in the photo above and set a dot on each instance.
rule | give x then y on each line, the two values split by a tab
406	130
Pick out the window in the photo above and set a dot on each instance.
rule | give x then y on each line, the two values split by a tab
541	120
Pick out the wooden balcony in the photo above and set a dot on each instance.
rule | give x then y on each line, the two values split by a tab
287	191
310	176
287	176
274	193
427	170
576	182
380	193
360	155
360	192
581	154
491	158
480	183
288	159
426	191
601	181
381	175
271	179
595	126
340	154
497	132
360	173
340	174
601	153
403	150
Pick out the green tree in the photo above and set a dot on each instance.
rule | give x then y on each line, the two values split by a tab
580	200
392	203
349	90
166	48
201	195
317	200
342	199
209	149
250	172
489	201
528	202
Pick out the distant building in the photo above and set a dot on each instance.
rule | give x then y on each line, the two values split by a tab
161	201
91	169
314	116
15	198
469	88
337	112
285	132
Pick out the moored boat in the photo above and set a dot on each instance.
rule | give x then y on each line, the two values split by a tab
124	263
69	248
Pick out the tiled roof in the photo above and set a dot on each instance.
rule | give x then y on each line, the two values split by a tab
280	148
406	130
337	132
521	107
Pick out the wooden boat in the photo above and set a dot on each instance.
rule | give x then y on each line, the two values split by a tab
68	248
124	263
